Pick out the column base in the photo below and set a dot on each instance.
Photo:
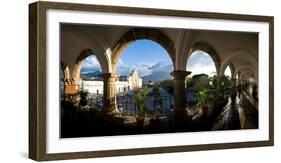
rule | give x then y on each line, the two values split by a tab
181	118
111	111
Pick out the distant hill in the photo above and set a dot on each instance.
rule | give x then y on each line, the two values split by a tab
91	74
160	75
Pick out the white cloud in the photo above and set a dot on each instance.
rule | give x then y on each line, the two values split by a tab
120	63
198	69
161	66
122	68
91	64
200	62
144	69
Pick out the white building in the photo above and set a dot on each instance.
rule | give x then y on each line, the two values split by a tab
94	85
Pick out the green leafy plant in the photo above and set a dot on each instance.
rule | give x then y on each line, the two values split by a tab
203	97
140	98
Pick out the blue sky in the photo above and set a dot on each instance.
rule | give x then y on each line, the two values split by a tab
146	50
145	55
90	64
150	57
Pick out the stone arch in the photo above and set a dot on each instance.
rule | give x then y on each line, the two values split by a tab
80	60
77	42
243	68
138	34
243	54
207	48
232	69
245	75
65	71
248	73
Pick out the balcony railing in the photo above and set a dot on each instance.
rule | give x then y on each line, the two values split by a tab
95	100
126	104
155	105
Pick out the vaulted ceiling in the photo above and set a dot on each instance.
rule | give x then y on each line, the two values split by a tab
237	48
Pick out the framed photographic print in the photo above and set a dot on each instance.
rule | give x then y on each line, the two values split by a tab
111	81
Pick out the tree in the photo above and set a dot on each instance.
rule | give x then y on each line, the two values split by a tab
168	85
201	82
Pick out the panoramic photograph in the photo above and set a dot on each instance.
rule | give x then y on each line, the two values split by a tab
123	80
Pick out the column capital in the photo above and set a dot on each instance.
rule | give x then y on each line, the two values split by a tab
180	74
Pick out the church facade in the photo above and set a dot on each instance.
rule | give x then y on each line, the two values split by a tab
123	84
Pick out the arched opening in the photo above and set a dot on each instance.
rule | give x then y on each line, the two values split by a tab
145	66
203	79
227	72
243	68
208	49
227	79
201	62
239	58
76	74
87	80
90	72
139	34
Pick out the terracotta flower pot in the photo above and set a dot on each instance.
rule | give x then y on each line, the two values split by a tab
205	109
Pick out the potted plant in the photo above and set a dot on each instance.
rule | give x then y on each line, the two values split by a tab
203	100
83	98
140	97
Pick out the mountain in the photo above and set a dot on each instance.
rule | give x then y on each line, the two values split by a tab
159	75
92	74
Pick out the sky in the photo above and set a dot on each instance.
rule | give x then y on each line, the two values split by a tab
150	57
200	62
145	55
227	71
90	64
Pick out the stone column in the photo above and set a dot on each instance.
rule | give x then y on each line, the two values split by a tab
109	94
180	95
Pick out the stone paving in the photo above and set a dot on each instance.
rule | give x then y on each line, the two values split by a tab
237	115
